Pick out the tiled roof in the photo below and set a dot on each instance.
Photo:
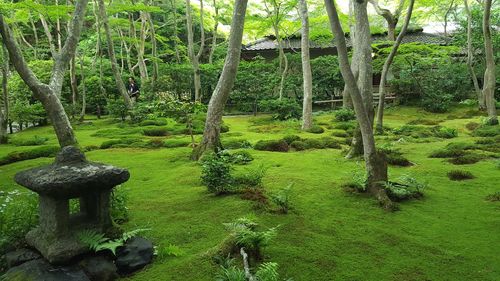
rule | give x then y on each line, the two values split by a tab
269	43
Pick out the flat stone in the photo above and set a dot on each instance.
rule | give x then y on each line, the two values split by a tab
134	255
71	176
41	270
20	256
99	268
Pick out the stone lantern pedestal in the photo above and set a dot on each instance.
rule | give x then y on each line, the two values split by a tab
70	176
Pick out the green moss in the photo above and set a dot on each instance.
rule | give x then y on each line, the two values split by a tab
272	145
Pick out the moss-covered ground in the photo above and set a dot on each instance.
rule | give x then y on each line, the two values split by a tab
452	233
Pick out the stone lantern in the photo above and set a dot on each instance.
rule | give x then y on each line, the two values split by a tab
70	176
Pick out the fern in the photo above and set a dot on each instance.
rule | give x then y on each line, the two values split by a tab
267	272
91	238
131	234
110	245
99	242
231	274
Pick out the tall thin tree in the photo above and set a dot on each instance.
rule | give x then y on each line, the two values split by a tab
489	73
195	57
470	58
306	68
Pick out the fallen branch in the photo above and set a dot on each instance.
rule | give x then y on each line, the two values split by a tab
248	275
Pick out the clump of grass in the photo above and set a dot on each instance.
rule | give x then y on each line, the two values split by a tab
344	114
346	126
155	143
466	159
395	156
250	178
241	157
272	145
282	199
314	143
471	126
452	150
34	141
316	129
458	175
116	133
495	197
38	152
155	132
487	131
356	182
445	133
236	143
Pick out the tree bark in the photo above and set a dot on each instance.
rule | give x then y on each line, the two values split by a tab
111	52
49	94
73	83
376	166
391	18
214	37
387	65
306	68
143	70
4	105
195	58
211	133
84	90
176	37
470	58
489	73
154	49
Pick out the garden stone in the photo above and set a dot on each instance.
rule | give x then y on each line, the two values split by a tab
134	255
70	176
20	256
41	270
99	268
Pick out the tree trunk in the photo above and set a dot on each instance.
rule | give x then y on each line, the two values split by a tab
154	50
470	58
4	105
376	166
111	52
391	30
387	65
176	37
143	70
282	57
306	68
35	34
195	58
211	134
84	90
49	94
214	37
489	73
73	83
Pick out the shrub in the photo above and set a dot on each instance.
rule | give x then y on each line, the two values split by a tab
272	145
236	143
118	109
330	143
458	175
344	114
298	145
495	197
421	121
282	198
314	143
119	209
471	126
18	214
172	143
487	131
316	129
283	109
345	126
445	133
88	148
120	143
394	156
157	122
36	140
241	157
289	139
466	159
437	102
447	153
155	143
251	178
245	235
224	128
356	182
340	134
155	132
42	151
216	174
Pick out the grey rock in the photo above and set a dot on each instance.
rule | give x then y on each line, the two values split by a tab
41	270
134	255
99	268
20	256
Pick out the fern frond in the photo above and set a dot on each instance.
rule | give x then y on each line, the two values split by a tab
131	234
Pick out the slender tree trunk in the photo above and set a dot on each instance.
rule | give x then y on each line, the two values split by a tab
35	34
211	134
84	90
282	57
214	37
195	58
4	105
48	94
306	68
489	73
376	166
470	58
387	65
391	30
73	83
143	70
111	52
176	37
154	50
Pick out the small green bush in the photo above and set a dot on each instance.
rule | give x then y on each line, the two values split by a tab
216	174
157	122
466	159
316	129
487	131
298	145
121	143
345	126
34	141
282	199
155	132
421	121
119	210
272	145
155	143
446	153
314	143
458	175
250	178
283	109
118	109
445	133
407	187
236	143
224	128
289	139
330	143
42	151
344	114
88	148
394	156
241	157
